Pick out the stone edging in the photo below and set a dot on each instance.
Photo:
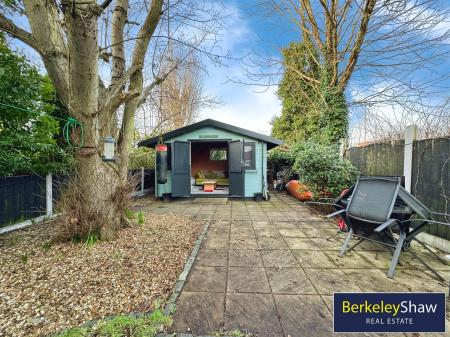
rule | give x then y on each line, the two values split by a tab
170	306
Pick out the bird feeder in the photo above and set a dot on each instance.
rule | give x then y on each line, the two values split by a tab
109	145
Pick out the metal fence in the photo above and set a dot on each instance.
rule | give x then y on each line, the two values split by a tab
430	174
32	196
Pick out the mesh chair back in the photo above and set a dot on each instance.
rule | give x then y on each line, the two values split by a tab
373	198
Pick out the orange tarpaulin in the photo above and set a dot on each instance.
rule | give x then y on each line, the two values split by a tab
298	190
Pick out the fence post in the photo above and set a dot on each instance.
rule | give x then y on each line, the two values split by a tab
49	194
142	180
410	137
342	147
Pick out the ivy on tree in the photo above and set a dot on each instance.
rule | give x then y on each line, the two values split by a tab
312	107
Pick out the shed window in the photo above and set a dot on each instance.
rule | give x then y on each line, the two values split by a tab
249	156
218	154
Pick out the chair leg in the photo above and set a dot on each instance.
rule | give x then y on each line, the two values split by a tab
397	252
346	241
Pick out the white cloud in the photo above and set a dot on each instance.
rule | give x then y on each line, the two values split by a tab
242	105
248	109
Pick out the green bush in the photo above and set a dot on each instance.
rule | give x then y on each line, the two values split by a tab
142	157
320	168
277	158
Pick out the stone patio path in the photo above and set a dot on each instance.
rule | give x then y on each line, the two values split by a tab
271	268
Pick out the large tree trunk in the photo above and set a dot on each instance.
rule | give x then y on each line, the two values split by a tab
97	181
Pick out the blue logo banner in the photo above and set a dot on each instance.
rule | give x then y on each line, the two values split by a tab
389	312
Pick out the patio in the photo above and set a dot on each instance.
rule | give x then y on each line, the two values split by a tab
271	268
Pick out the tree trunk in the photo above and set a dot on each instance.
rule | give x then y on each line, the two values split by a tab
96	181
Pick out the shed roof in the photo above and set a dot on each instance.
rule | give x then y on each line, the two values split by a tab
271	142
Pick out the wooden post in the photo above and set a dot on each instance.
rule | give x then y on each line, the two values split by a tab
410	137
142	180
49	194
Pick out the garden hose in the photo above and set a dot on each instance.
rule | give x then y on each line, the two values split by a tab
71	125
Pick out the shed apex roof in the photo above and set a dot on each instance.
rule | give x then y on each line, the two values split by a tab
271	142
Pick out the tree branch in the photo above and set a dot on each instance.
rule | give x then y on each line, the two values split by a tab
367	13
105	4
114	90
9	27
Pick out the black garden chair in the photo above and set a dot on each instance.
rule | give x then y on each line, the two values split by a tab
376	207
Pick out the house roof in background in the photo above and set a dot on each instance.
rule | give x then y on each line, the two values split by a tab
271	142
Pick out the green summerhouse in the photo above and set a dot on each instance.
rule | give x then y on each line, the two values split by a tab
211	158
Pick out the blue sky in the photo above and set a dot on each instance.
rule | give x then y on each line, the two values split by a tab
248	32
251	107
254	33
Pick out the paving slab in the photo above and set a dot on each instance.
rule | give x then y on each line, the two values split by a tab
278	258
289	281
314	258
199	313
304	315
271	268
265	242
212	279
253	312
212	258
247	280
245	258
301	243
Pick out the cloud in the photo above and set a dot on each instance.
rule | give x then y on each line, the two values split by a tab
242	105
248	109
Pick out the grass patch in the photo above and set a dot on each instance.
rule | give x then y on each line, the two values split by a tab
141	218
123	326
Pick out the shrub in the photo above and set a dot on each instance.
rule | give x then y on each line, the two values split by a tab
142	157
320	168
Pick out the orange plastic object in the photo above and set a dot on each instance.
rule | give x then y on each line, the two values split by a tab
209	186
298	190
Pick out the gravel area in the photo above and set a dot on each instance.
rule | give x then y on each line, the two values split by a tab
46	287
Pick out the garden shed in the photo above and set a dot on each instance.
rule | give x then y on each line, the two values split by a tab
211	158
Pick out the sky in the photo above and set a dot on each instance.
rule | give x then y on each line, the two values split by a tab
253	107
250	34
248	106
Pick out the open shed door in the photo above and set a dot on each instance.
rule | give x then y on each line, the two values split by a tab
236	168
181	169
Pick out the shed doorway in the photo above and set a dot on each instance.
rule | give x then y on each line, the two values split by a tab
209	168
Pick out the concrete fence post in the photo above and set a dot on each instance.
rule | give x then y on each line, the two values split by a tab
49	194
410	137
342	147
142	180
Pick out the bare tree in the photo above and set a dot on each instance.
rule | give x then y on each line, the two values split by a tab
66	33
389	51
178	100
388	122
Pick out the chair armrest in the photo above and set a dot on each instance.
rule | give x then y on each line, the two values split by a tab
385	225
335	213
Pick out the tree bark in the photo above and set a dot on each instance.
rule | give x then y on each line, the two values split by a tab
97	181
136	85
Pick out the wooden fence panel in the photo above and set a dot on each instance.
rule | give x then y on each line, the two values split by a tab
24	197
430	174
430	178
21	198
